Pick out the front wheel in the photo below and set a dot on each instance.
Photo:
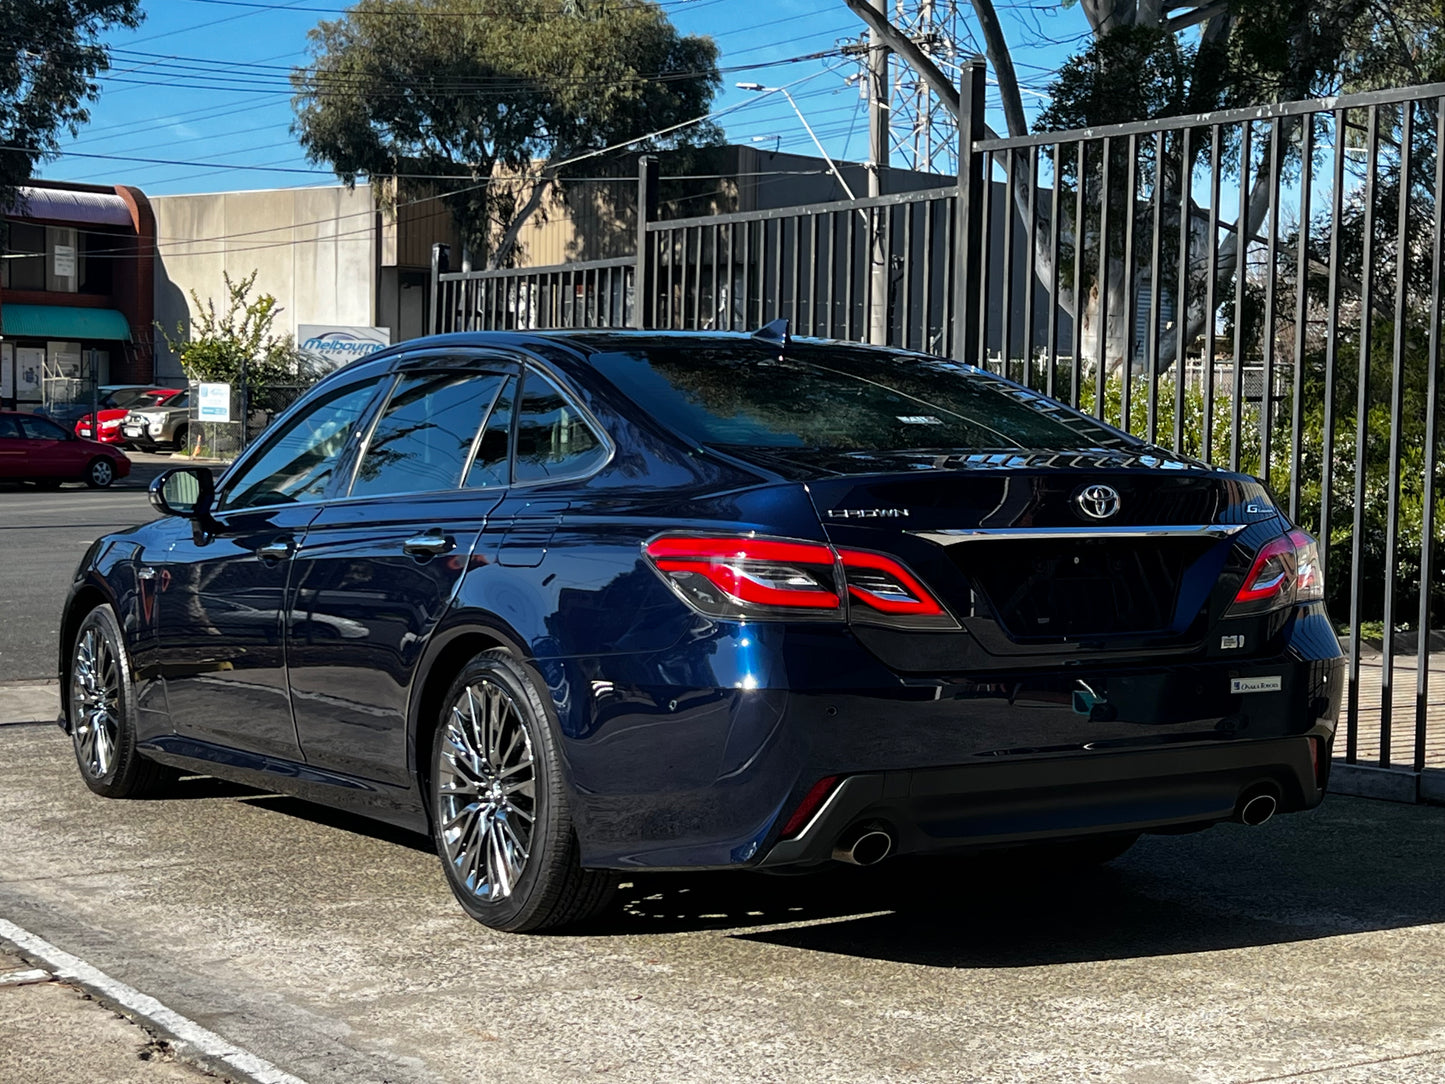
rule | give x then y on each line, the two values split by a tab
102	713
182	433
499	805
100	473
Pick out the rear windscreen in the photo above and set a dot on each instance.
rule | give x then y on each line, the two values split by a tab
836	398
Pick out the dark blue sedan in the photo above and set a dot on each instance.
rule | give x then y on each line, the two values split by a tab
587	602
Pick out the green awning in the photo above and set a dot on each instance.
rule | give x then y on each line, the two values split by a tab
61	322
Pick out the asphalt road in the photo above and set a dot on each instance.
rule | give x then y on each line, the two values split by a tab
1311	949
43	534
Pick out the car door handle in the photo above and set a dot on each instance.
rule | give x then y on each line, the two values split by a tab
275	552
431	544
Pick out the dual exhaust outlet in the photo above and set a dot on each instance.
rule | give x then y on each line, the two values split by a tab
869	844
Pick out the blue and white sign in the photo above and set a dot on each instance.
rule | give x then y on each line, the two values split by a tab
213	403
331	346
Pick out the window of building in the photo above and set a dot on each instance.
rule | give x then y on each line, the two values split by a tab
23	266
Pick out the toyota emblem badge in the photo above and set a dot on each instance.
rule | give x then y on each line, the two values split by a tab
1098	501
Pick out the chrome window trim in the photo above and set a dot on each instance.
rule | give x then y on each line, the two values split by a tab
471	459
952	537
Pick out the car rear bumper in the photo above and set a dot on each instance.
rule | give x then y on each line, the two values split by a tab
940	809
707	775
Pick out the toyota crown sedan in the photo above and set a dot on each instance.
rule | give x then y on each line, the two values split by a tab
577	603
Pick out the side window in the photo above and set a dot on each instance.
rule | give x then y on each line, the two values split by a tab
423	438
9	428
297	461
552	438
41	429
490	466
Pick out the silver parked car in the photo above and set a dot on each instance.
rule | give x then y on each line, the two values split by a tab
167	425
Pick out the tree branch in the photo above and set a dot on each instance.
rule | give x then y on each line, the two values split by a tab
503	250
1003	67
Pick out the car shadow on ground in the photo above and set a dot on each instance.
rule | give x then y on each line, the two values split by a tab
1351	866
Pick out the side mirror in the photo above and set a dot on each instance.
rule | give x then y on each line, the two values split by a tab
183	491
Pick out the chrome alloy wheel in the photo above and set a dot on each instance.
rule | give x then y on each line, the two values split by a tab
486	791
95	701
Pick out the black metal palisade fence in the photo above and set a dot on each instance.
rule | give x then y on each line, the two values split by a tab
1259	288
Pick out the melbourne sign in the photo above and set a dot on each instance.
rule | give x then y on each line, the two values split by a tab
331	346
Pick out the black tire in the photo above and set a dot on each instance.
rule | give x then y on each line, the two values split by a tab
182	432
480	801
102	714
100	473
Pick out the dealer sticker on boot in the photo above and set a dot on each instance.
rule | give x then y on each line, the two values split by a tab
1255	685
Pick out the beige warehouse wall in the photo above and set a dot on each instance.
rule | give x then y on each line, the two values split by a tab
314	249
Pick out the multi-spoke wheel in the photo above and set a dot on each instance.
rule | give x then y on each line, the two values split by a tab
102	727
499	805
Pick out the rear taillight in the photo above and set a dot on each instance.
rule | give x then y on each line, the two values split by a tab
1285	572
882	592
751	577
783	579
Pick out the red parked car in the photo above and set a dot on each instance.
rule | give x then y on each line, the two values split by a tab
117	405
35	449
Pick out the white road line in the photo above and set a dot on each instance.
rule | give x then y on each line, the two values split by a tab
204	1041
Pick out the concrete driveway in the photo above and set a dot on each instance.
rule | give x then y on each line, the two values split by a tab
1311	949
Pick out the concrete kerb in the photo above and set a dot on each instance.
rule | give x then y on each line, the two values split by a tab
29	702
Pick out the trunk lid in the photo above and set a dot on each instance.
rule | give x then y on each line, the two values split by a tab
1042	555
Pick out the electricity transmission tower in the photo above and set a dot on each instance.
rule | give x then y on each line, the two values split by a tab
922	134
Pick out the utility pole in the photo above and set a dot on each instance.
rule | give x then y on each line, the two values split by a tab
878	161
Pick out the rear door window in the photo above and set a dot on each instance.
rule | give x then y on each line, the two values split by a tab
424	437
490	467
42	429
554	440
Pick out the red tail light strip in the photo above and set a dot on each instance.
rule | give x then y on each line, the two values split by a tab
778	578
759	572
921	603
1285	571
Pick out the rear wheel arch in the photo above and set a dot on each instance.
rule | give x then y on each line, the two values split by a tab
449	651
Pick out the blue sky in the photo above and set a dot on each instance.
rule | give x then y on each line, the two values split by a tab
197	98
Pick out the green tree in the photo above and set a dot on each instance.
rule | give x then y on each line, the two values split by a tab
236	343
50	55
485	102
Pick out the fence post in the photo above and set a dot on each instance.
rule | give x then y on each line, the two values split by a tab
968	255
644	298
440	254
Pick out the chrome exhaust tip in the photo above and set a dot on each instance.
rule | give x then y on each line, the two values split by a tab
866	848
1258	808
